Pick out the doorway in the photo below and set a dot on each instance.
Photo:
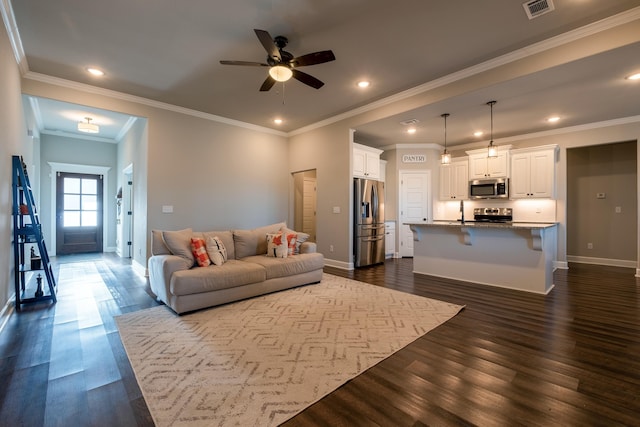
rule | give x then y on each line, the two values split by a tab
415	205
79	214
602	204
304	202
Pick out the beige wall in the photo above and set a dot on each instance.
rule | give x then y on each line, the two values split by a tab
13	141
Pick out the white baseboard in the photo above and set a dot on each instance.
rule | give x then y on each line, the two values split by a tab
338	264
139	269
603	261
6	312
560	265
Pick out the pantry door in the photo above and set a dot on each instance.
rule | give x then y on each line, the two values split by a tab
414	206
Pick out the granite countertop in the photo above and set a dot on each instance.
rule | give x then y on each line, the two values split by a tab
507	225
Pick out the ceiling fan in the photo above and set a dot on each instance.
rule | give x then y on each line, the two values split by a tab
283	65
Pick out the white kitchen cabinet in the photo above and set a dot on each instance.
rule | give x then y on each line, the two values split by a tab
366	162
454	180
481	166
533	172
389	239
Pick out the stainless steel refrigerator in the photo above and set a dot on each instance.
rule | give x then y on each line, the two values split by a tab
368	242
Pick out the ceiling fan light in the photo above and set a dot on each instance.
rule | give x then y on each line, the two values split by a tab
88	127
280	73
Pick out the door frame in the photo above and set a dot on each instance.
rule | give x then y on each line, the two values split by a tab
74	168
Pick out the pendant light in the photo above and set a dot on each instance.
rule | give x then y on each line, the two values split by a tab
492	150
445	158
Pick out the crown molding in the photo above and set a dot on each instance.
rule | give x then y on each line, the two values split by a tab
536	48
83	87
11	26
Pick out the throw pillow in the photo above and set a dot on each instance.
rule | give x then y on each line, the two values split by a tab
216	250
300	238
276	245
200	252
291	237
179	243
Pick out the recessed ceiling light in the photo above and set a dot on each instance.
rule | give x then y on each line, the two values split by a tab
364	84
553	119
635	76
95	71
478	133
277	121
411	131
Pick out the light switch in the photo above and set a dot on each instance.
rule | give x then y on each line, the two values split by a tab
618	209
167	209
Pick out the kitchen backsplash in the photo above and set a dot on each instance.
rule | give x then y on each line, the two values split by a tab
531	210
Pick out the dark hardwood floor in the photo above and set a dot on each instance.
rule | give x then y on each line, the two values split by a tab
571	358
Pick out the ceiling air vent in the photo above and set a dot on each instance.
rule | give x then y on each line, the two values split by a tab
409	122
535	8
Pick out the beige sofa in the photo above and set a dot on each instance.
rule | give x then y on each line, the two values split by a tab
177	280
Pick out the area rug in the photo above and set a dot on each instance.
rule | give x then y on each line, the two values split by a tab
259	362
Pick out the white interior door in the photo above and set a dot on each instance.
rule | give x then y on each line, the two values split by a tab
415	205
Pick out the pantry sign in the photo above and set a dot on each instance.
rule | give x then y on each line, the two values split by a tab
414	158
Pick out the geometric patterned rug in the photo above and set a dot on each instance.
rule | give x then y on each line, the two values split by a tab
260	361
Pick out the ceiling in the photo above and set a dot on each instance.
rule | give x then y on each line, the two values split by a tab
168	52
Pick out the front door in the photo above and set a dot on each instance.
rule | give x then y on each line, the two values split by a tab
78	213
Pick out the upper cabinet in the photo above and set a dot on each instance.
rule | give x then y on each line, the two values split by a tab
366	162
454	180
533	172
481	166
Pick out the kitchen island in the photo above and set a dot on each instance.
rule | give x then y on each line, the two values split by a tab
511	255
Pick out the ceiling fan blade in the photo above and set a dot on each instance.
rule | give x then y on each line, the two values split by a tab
267	84
307	79
250	63
313	58
268	44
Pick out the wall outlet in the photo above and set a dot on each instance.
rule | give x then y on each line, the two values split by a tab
618	209
336	209
330	248
589	245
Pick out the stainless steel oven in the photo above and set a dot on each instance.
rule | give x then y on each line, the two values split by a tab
490	188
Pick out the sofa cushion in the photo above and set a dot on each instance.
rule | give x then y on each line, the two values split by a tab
226	237
281	267
215	277
276	245
216	250
253	242
157	244
179	243
199	251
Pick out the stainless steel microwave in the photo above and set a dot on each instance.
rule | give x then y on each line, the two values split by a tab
490	188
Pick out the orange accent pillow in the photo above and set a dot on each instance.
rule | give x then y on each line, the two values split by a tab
199	250
291	242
